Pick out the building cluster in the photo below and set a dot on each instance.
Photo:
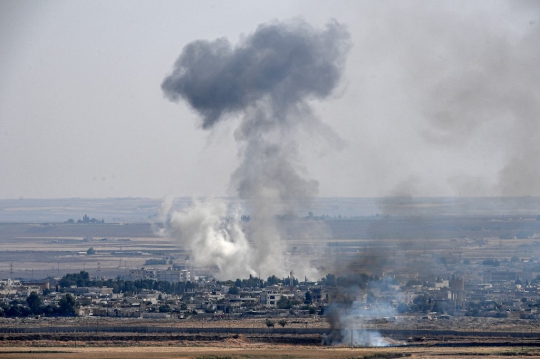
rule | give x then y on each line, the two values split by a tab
509	289
485	288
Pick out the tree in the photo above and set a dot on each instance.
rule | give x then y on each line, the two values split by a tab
91	251
283	323
165	308
269	323
308	299
402	308
273	280
233	291
80	279
491	262
67	305
284	303
15	311
423	303
34	303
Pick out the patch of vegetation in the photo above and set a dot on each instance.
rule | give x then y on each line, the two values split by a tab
34	352
151	262
85	219
247	356
385	355
518	353
82	279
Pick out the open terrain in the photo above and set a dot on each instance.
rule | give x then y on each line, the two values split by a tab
257	351
39	250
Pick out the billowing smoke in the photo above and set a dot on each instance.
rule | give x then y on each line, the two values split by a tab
214	237
267	79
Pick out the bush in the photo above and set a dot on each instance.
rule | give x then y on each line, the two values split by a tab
402	308
165	308
491	262
233	291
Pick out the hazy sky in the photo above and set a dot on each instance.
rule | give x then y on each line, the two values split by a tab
437	98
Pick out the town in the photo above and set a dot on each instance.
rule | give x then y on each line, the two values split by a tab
496	288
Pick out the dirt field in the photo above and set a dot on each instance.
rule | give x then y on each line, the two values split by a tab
409	322
37	250
260	352
228	345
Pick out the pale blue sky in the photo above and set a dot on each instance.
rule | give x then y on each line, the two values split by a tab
438	98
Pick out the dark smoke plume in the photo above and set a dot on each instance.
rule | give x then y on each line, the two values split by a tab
268	78
283	63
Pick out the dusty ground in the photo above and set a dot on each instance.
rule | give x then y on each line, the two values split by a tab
265	352
37	250
222	346
470	324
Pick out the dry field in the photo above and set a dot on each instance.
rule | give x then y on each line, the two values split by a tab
466	324
39	249
255	351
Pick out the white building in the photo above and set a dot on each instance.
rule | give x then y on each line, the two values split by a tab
270	299
174	276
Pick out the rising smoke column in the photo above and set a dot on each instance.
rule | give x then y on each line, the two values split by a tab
267	79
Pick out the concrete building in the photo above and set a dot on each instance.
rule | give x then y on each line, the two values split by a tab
270	299
174	276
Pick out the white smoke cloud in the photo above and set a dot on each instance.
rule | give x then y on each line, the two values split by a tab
214	237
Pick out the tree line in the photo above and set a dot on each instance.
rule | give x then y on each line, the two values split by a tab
33	305
82	279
